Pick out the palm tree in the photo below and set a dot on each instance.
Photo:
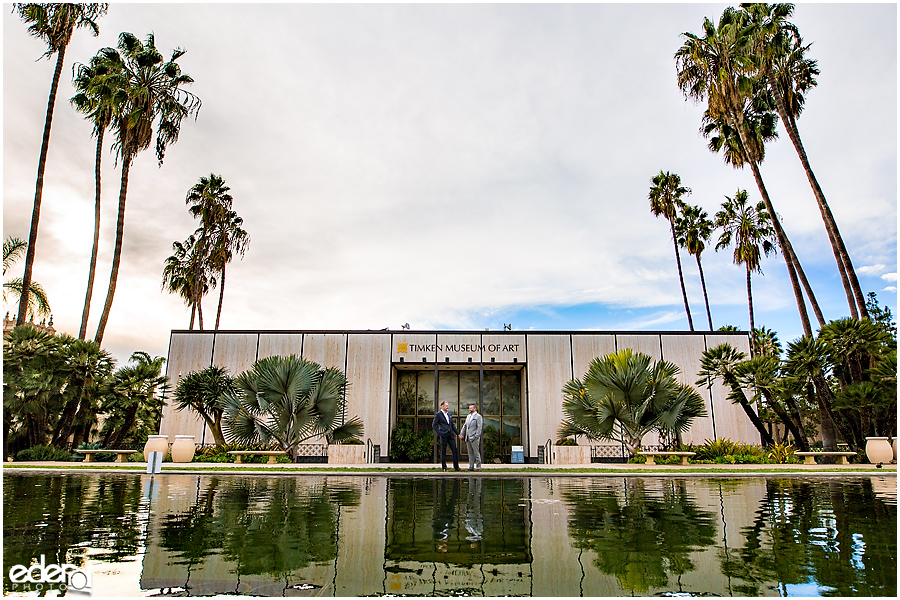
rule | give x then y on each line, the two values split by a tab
154	96
86	367
54	24
761	123
717	68
202	392
13	249
286	400
100	91
748	229
721	362
229	238
133	399
208	200
807	362
180	275
781	61
665	198
694	230
624	396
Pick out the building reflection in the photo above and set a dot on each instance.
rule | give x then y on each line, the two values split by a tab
507	536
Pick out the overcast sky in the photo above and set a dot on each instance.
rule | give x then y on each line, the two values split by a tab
450	167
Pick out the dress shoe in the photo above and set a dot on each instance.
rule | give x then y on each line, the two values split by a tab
456	469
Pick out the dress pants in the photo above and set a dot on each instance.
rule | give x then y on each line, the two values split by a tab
449	438
474	448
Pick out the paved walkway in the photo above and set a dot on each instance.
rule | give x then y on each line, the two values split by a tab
492	470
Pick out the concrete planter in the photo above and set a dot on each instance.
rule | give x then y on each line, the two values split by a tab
156	443
878	450
346	454
571	455
183	449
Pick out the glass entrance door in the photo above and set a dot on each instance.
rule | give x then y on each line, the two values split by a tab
499	404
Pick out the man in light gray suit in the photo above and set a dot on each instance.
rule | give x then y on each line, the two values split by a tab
471	432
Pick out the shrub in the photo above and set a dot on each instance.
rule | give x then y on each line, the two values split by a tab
782	453
352	442
409	446
43	453
99	456
497	444
566	442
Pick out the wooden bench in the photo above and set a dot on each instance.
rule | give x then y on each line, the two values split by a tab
121	455
272	454
809	458
684	456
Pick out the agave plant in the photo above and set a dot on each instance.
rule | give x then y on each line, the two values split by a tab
284	401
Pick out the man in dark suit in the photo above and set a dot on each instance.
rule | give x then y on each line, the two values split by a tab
445	429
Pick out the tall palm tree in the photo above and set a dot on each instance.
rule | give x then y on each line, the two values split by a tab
665	198
694	229
13	250
229	238
100	92
208	200
180	275
760	123
781	61
154	97
54	24
749	230
717	68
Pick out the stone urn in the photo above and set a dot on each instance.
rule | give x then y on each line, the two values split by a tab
878	450
183	449
156	443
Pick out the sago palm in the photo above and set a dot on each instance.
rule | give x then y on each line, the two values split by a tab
780	60
54	24
625	395
154	98
748	230
694	229
665	199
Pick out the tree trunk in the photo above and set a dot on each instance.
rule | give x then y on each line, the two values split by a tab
193	313
117	252
39	190
752	324
200	313
783	244
82	333
115	437
808	288
702	283
687	309
221	296
66	419
788	422
845	267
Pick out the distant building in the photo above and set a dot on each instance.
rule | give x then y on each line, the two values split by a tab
514	377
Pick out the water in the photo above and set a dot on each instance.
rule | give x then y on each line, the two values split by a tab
501	536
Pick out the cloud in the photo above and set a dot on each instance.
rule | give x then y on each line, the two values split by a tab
889	277
870	269
889	288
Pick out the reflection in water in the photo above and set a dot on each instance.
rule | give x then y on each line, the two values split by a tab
641	535
539	536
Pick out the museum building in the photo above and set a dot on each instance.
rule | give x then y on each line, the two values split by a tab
514	377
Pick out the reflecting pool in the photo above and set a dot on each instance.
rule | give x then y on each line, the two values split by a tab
478	536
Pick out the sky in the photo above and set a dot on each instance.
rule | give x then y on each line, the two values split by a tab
457	166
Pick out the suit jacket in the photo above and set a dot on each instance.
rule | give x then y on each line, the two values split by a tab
473	427
441	426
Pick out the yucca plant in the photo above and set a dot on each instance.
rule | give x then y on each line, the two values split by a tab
782	453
